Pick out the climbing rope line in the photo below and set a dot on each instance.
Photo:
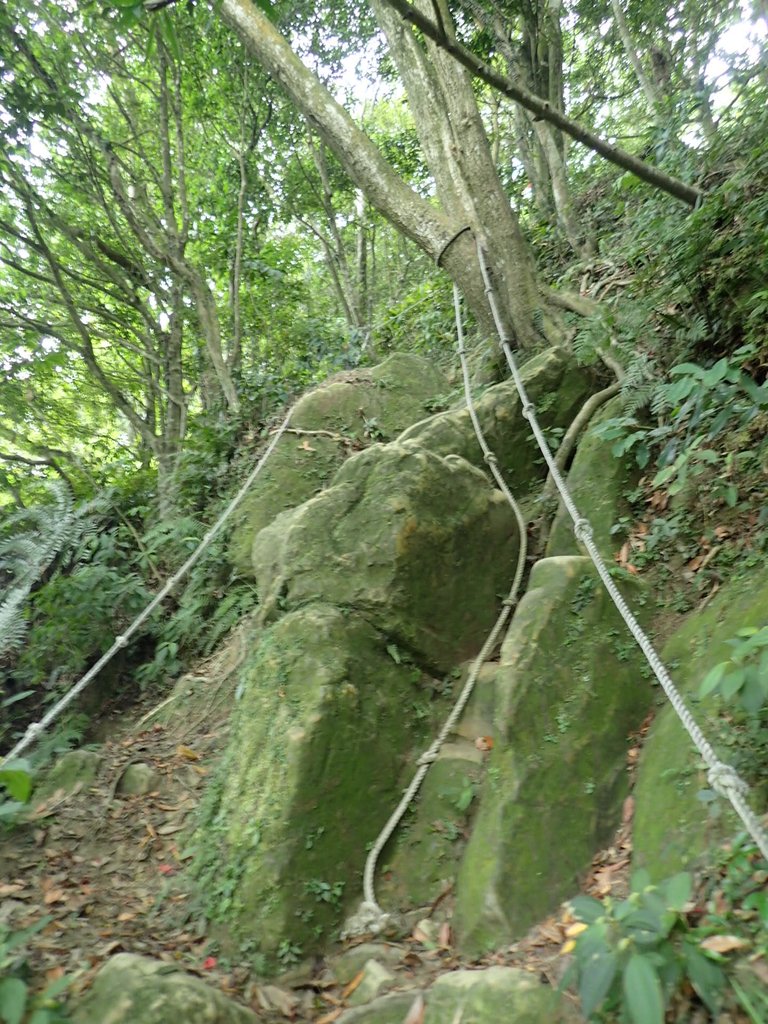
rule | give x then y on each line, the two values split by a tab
370	916
722	777
37	728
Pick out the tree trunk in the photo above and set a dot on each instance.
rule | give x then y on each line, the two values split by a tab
653	97
469	190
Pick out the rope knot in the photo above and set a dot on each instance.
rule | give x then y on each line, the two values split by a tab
582	530
369	919
33	731
528	409
121	641
725	780
491	459
429	757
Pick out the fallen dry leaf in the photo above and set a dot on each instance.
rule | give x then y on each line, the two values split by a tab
444	936
10	889
723	943
187	753
484	743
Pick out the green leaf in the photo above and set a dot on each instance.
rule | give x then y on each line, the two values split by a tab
587	909
596	978
733	682
711	680
678	890
13	1000
665	474
642	991
16	776
640	880
705	976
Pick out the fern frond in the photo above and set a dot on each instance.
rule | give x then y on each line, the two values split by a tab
13	624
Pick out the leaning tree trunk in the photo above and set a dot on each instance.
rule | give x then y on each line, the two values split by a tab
469	190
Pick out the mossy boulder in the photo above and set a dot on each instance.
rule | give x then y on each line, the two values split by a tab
569	691
329	422
556	385
418	544
495	994
320	736
132	989
598	482
673	828
71	773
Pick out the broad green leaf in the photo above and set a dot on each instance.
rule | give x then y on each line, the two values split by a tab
733	682
640	880
642	991
753	695
13	1000
711	680
585	908
705	976
16	776
596	977
678	890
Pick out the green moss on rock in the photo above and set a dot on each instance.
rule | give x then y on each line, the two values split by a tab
598	482
132	989
569	691
311	772
72	772
673	828
430	844
418	544
555	383
357	406
494	994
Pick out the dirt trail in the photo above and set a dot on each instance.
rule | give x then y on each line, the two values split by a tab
109	872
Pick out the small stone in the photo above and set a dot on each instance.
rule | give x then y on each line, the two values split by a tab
376	978
389	1009
138	780
347	964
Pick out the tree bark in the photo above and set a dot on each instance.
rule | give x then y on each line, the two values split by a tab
440	232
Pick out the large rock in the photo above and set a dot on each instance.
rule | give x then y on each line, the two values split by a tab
72	772
320	736
598	483
569	690
473	997
418	544
132	989
353	408
495	994
673	828
556	385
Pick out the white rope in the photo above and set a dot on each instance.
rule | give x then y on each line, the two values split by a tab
370	917
722	777
35	730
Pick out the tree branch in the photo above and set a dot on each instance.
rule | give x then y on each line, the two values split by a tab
542	109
